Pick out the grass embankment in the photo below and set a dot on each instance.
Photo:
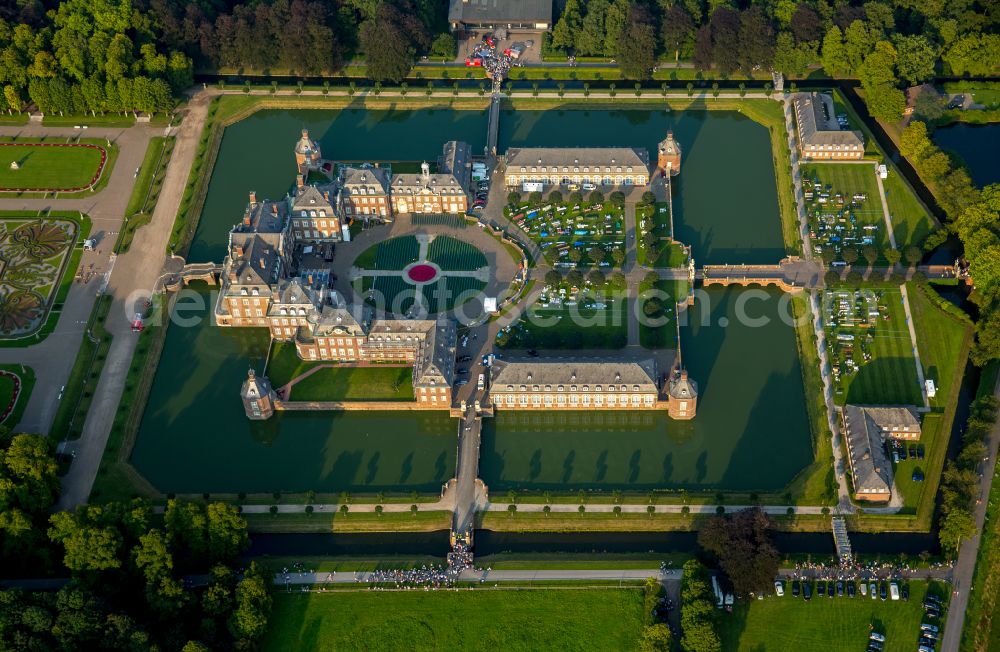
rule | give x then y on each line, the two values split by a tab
816	484
64	280
27	376
912	221
86	372
146	190
508	619
668	293
838	624
324	522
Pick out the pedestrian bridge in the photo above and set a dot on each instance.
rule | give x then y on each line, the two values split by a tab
791	275
179	274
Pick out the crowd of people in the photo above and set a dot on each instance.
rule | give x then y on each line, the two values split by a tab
871	570
497	63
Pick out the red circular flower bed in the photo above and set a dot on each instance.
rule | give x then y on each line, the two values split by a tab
421	273
97	175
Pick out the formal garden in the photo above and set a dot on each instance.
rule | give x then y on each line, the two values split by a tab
35	253
34	166
575	231
871	353
407	275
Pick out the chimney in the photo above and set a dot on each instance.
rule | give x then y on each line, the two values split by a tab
246	218
684	374
326	195
238	249
253	197
274	209
300	180
263	262
232	276
425	169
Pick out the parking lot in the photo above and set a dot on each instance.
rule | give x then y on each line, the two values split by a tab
573	234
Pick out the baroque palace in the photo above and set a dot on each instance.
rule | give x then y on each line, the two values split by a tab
278	274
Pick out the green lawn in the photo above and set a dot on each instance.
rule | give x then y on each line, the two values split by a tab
451	254
833	625
394	253
146	190
571	327
355	384
825	219
663	336
55	168
890	376
911	221
507	620
397	295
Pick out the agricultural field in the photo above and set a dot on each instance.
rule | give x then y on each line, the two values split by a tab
483	619
835	624
869	346
50	167
844	210
571	235
35	253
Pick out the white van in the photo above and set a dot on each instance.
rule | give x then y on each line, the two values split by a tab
894	591
482	381
589	186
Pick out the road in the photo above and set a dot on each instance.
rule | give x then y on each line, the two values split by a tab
965	565
134	276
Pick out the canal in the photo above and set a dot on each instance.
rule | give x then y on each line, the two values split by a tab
194	437
977	145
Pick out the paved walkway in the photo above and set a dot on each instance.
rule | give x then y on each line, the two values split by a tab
965	565
134	277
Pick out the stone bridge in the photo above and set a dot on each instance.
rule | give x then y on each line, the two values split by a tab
791	275
177	273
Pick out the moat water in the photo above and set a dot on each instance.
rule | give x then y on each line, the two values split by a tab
751	431
977	145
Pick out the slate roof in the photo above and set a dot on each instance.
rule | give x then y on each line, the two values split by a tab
597	159
542	373
311	198
683	387
513	11
865	428
372	178
816	118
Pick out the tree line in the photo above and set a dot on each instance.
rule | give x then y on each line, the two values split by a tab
84	56
974	217
883	43
127	573
960	481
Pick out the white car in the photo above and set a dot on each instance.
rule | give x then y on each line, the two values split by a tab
589	186
779	588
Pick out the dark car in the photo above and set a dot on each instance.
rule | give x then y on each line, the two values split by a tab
840	589
829	589
883	591
913	451
876	645
920	451
906	592
902	452
850	589
933	612
807	591
465	358
795	589
533	353
821	588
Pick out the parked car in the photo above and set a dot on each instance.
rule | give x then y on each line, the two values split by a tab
461	381
920	451
465	358
864	589
883	593
876	645
927	627
795	589
779	588
906	592
913	451
850	589
872	590
821	588
807	592
589	186
533	353
893	591
840	589
830	589
875	636
902	452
